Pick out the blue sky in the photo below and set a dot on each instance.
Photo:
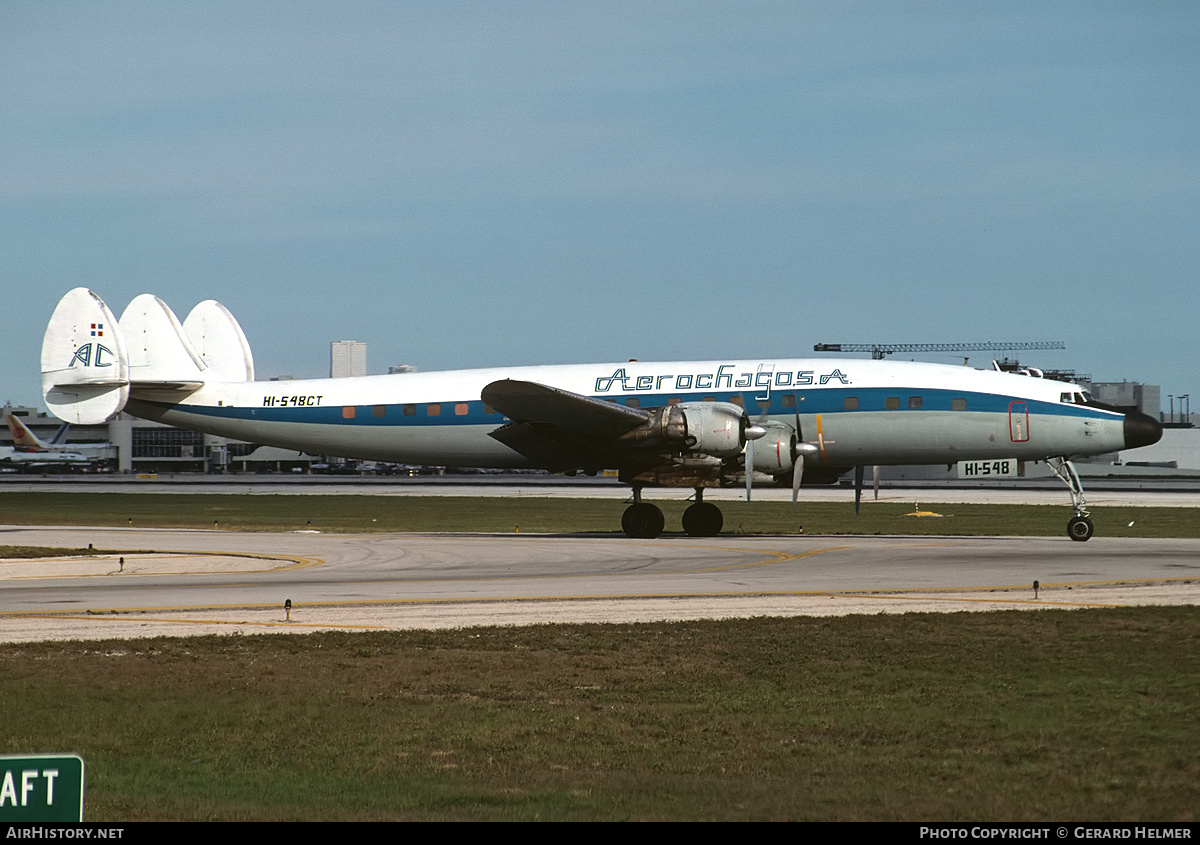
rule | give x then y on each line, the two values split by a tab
465	184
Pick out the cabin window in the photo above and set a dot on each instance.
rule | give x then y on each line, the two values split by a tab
488	409
674	400
958	404
892	403
737	400
763	404
379	410
347	412
851	403
460	409
914	403
709	399
410	410
433	409
632	402
789	400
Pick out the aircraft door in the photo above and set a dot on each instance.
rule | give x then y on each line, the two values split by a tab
1018	421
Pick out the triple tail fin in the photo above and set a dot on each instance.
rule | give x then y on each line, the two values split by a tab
91	363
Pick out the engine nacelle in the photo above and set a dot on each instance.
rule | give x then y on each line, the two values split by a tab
704	428
667	427
715	428
774	452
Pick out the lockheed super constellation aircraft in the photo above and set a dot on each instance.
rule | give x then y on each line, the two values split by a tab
674	424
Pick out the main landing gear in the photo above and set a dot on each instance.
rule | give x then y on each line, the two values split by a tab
1079	527
645	521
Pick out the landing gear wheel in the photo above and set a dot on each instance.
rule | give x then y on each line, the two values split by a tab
1080	528
703	520
642	520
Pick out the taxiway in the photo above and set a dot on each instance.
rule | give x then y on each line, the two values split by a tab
214	581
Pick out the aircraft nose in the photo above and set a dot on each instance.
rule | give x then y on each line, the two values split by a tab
1141	430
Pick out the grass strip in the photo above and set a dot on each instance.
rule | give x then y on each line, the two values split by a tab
360	514
1083	715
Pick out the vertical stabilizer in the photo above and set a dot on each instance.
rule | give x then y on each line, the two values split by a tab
159	351
24	440
85	370
220	341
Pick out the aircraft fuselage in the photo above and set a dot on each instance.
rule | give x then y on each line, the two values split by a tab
856	412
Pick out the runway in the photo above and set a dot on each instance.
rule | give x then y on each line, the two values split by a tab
213	581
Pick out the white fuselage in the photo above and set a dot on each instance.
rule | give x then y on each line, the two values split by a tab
856	412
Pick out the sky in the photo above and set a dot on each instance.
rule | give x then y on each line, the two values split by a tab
470	184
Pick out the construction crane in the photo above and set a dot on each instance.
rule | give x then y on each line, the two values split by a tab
879	351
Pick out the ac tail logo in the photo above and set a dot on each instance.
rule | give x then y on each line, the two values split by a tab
92	355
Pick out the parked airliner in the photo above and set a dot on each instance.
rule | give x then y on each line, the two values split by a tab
28	452
694	424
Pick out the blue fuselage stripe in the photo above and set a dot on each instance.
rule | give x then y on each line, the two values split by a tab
821	401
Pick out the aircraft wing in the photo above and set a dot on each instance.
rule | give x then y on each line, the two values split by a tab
557	429
530	402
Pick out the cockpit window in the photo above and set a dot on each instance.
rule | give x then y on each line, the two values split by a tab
1066	397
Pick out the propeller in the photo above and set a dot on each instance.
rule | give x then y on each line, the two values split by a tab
799	449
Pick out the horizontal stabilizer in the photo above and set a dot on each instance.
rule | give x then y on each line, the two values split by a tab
216	335
85	369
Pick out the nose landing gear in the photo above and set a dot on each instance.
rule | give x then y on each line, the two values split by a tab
1079	527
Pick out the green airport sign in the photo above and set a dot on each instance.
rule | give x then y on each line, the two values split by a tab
41	788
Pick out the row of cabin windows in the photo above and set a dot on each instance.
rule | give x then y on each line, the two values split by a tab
915	403
434	409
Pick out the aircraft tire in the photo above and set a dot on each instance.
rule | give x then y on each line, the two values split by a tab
703	520
643	521
1080	529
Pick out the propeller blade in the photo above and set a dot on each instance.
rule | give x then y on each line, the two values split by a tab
749	465
797	477
753	432
858	482
798	463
